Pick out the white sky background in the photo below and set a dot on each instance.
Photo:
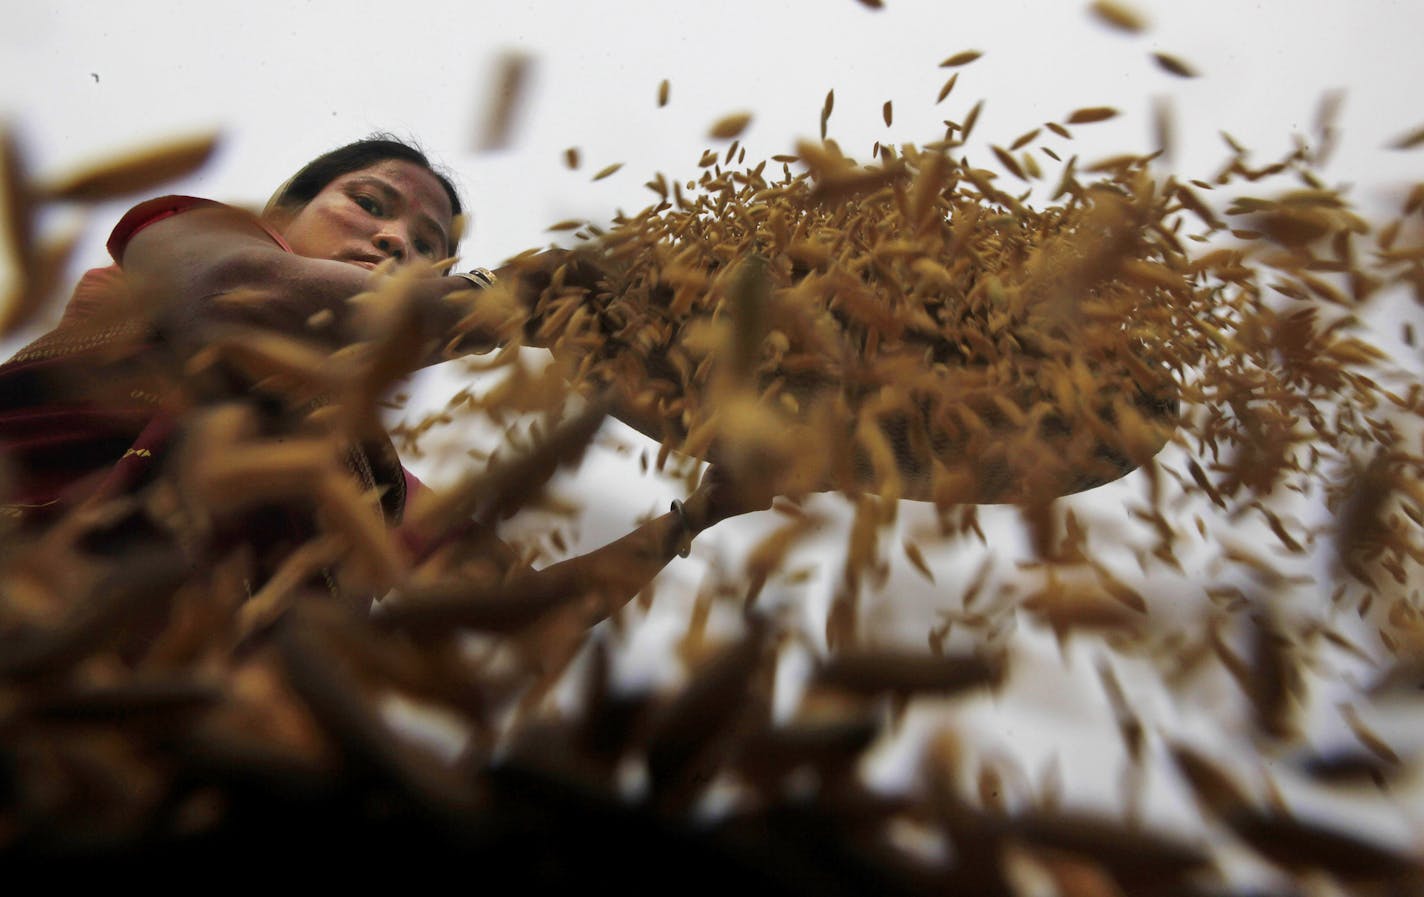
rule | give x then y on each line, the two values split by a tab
287	80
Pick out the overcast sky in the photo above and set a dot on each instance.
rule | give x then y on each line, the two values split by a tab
284	81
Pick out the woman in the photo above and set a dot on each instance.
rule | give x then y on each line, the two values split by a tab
191	274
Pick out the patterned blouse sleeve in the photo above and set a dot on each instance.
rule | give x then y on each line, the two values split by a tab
155	210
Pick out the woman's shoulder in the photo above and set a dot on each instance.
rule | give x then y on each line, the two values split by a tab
160	208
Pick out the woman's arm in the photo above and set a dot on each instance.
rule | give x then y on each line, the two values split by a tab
215	265
620	569
612	574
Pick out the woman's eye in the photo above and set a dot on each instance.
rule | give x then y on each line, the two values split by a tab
369	204
424	248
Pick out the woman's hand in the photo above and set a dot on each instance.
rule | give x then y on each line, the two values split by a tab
529	277
719	496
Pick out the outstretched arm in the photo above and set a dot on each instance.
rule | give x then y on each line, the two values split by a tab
215	265
612	574
620	569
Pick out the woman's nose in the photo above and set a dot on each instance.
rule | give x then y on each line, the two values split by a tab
392	244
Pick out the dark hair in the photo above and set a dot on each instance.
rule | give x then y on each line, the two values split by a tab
316	174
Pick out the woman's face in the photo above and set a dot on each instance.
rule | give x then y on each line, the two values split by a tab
392	209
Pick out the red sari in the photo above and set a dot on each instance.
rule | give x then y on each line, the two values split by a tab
81	412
